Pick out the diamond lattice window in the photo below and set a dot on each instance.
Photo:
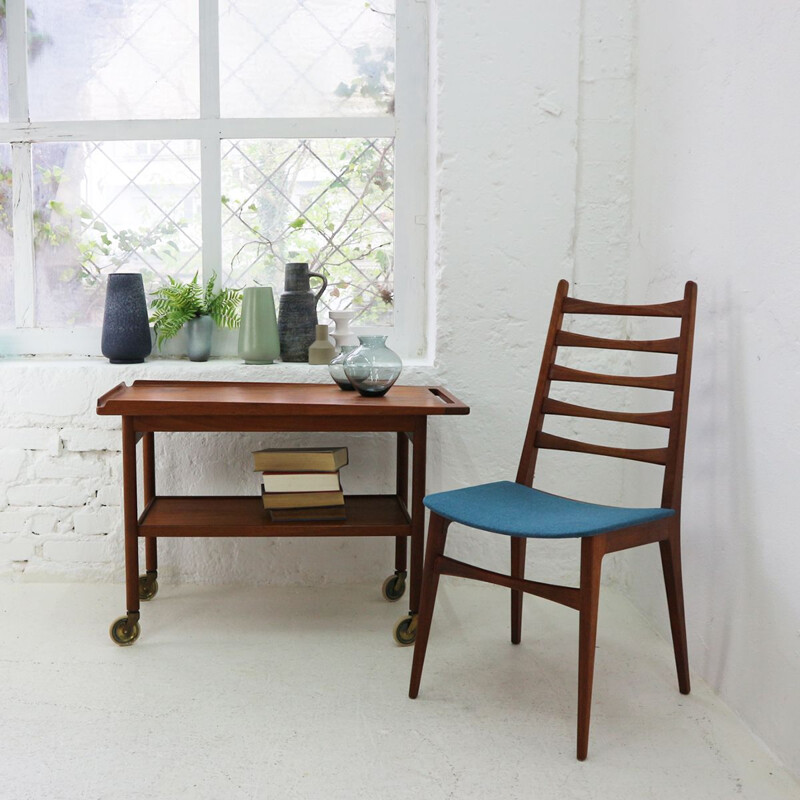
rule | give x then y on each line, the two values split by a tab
328	202
175	137
104	207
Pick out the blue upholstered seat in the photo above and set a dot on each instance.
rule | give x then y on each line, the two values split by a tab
517	510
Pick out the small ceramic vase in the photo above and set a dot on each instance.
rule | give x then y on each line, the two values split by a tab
372	367
336	368
126	331
343	335
258	333
198	331
322	351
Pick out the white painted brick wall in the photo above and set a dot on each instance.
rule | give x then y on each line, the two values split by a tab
31	439
13	521
16	550
72	466
47	494
110	494
93	521
534	187
89	439
94	551
43	523
11	462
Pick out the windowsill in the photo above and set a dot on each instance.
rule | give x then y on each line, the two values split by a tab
227	368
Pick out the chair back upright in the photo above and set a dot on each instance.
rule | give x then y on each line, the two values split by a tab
673	419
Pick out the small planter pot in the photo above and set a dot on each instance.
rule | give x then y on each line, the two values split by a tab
198	332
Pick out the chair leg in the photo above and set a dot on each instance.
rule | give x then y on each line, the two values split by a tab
437	536
518	544
592	552
671	565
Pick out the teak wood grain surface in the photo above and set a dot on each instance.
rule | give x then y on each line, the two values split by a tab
147	407
206	398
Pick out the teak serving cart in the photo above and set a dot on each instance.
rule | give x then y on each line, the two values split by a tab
147	407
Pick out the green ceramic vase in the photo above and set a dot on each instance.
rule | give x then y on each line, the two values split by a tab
258	334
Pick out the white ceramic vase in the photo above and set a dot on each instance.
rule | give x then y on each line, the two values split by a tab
343	335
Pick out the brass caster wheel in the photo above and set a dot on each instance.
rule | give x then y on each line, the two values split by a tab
148	586
405	630
123	632
394	587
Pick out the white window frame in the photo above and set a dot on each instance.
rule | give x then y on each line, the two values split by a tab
407	126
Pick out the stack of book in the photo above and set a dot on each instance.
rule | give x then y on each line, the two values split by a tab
302	485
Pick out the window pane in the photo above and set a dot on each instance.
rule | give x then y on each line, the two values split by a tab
325	201
114	59
6	240
111	207
306	58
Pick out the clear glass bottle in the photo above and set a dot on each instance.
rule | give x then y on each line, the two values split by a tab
372	368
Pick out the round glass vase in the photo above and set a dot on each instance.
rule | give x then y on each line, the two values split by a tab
336	368
372	368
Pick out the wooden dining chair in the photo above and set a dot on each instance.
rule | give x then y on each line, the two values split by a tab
518	511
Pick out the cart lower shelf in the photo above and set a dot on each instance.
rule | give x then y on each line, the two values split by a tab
367	515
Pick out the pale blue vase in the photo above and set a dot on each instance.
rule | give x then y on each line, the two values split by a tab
198	332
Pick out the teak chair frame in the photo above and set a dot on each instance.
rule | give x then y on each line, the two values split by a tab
665	531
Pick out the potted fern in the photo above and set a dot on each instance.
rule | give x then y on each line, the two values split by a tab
189	304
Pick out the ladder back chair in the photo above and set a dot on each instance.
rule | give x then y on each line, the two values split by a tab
517	510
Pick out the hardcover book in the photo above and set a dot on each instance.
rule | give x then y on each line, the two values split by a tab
309	459
302	499
301	482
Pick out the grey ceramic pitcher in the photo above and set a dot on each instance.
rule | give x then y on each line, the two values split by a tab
297	312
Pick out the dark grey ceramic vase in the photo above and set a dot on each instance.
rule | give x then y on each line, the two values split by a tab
297	312
126	332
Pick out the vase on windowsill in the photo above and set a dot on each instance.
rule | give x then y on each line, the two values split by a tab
198	334
336	368
126	332
343	335
372	368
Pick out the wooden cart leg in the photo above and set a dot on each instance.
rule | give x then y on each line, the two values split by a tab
148	583
125	630
405	630
401	542
394	587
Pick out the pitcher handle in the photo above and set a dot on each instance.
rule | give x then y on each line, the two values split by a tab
324	283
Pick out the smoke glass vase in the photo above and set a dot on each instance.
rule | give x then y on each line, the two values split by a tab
336	368
372	368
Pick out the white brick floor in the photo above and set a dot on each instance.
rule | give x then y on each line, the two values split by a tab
275	692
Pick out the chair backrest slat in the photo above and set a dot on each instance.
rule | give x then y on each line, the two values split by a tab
559	373
569	339
574	306
673	419
653	455
660	419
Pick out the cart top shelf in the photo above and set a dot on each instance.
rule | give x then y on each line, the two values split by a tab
192	398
